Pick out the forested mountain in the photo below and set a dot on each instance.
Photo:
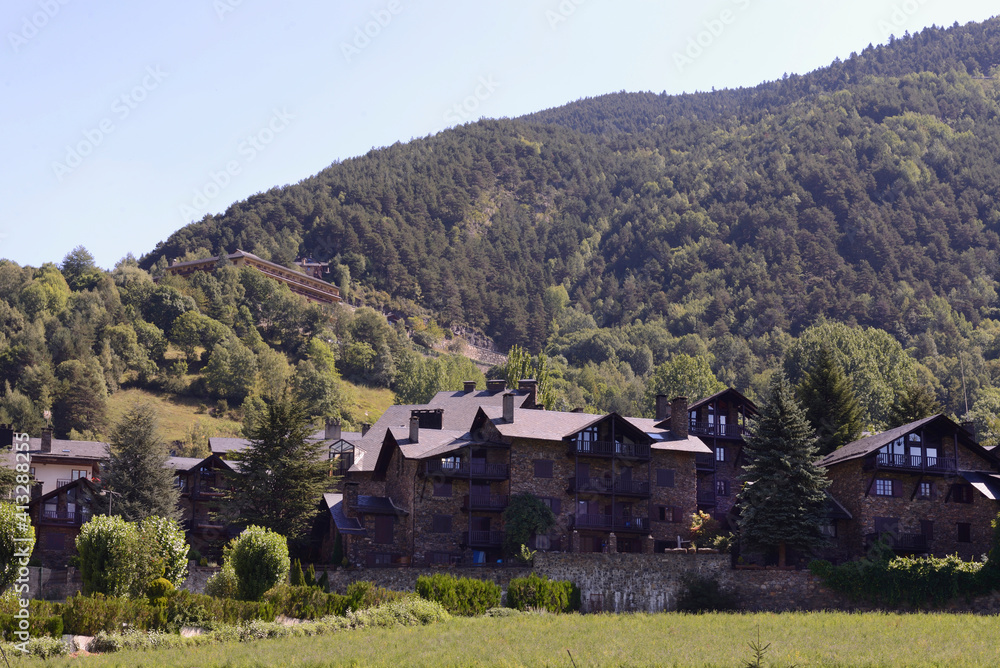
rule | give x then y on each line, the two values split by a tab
629	234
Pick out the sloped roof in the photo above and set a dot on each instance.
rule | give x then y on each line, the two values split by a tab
191	463
542	425
458	411
987	484
382	505
664	439
870	444
719	395
835	510
344	524
96	450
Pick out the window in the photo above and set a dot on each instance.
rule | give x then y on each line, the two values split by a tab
442	489
926	490
885	487
441	524
543	468
720	454
961	493
77	474
542	542
553	504
670	514
964	532
722	488
664	477
829	529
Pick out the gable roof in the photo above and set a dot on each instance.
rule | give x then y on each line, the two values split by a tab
84	483
335	505
719	395
187	464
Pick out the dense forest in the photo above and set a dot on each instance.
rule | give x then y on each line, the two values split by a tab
649	243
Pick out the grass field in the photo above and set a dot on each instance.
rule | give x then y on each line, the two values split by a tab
803	639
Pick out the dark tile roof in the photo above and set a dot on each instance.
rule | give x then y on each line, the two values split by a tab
987	484
344	524
866	446
96	450
834	509
663	439
379	505
719	395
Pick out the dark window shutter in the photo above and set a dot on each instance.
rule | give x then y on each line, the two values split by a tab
543	468
897	488
383	529
555	506
927	529
665	477
678	514
964	532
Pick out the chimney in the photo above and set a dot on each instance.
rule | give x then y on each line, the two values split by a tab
529	385
508	408
470	386
46	439
364	428
6	436
662	407
971	428
350	502
332	431
414	429
496	385
679	417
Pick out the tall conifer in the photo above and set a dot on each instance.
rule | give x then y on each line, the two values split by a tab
829	403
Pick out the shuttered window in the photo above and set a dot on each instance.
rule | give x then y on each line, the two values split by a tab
664	477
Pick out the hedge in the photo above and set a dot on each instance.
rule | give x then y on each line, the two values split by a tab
459	596
540	593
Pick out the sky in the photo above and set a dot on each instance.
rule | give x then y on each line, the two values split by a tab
123	122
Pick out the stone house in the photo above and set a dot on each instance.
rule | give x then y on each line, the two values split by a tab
928	486
57	517
202	485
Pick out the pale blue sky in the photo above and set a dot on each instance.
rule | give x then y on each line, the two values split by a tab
183	107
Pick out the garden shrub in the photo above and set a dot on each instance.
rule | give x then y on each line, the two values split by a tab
459	596
43	647
540	593
158	591
703	594
259	558
223	584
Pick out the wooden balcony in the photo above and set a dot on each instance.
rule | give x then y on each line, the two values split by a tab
697	428
475	471
901	542
62	482
610	449
639	488
704	462
489	502
617	523
483	538
706	498
74	518
915	463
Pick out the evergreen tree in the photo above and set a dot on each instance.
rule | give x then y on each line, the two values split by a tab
142	484
782	499
828	400
281	474
913	403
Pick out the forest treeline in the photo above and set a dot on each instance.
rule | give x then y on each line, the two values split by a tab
634	234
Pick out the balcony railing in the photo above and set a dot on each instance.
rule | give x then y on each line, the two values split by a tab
484	538
914	462
902	542
488	502
464	470
612	523
715	429
611	449
607	486
705	462
706	498
63	516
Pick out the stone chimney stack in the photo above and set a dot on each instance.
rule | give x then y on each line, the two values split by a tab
508	408
496	385
350	506
414	429
46	439
364	428
662	406
470	386
679	417
529	385
332	430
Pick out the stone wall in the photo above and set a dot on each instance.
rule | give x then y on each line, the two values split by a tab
53	584
198	576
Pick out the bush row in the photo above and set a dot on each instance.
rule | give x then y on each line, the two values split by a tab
471	596
312	603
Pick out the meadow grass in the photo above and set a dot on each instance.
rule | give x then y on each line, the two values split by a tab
175	413
669	639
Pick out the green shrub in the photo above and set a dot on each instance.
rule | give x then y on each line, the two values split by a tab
459	596
43	647
39	624
223	584
703	594
158	591
259	558
542	594
296	578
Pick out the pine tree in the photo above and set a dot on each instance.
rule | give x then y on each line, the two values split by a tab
914	403
782	500
829	403
281	474
142	484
